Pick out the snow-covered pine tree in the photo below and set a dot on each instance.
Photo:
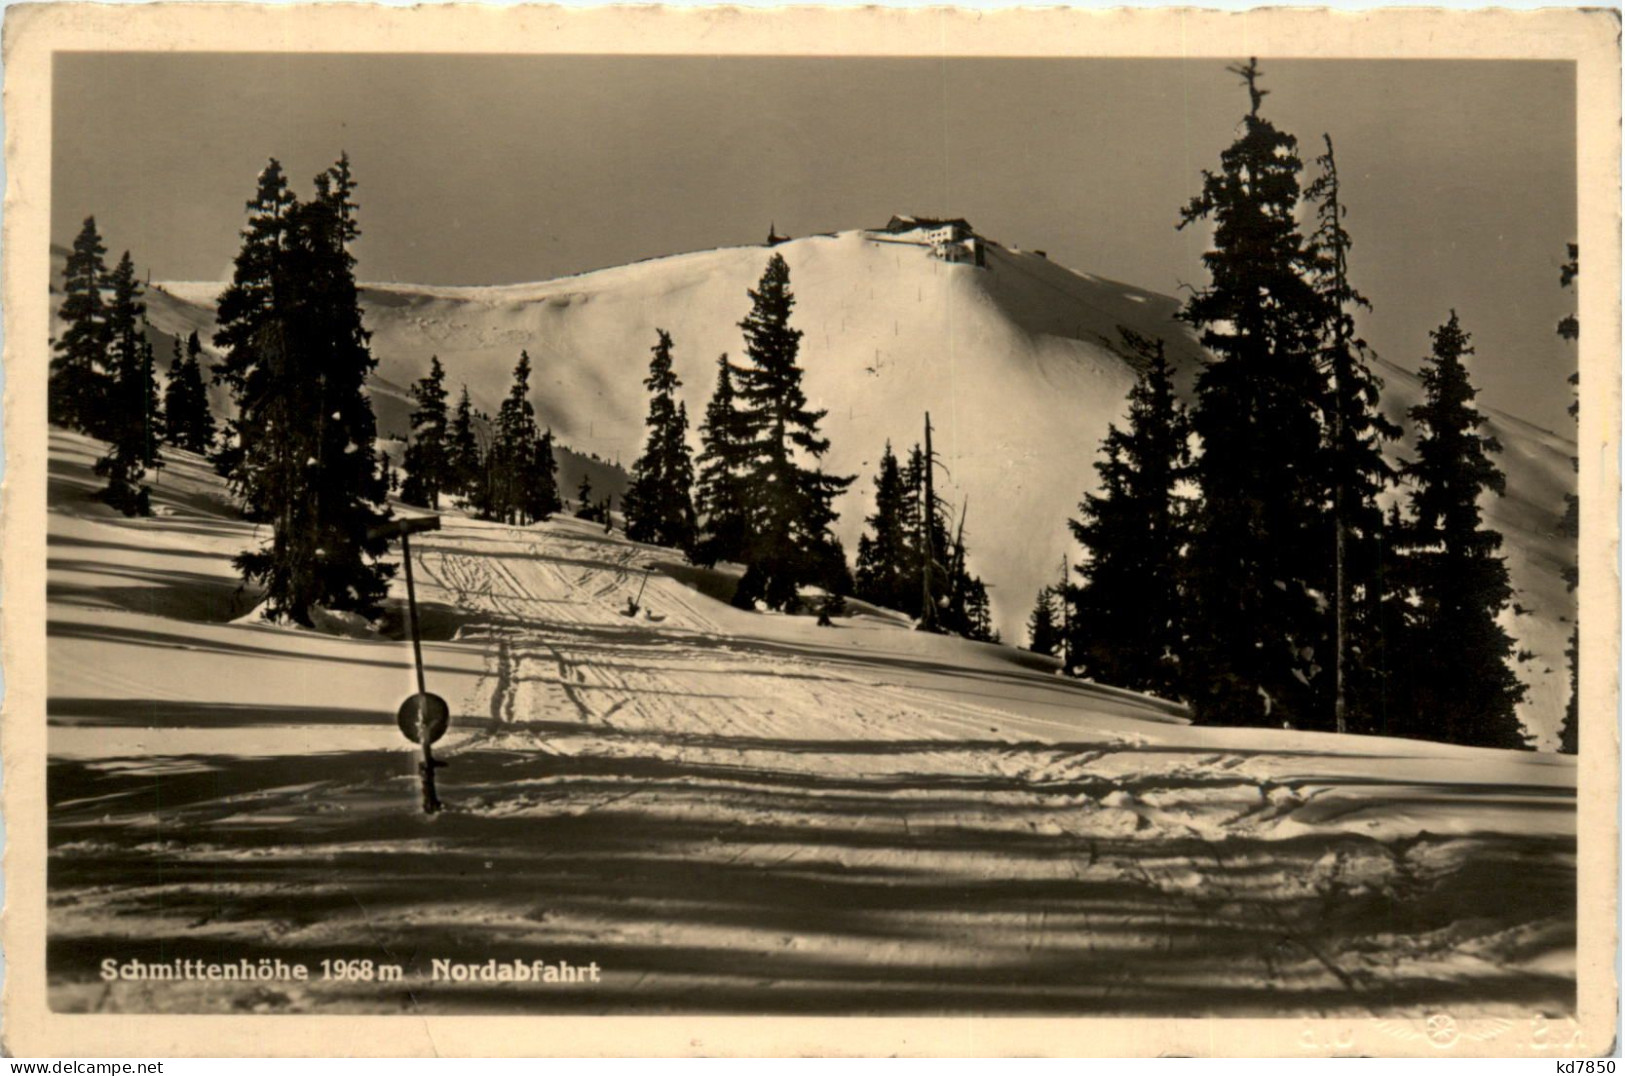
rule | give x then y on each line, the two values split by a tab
1464	689
885	561
296	361
790	505
1260	638
463	450
1355	431
188	422
1128	617
1043	633
130	424
720	494
80	382
428	458
659	503
1569	329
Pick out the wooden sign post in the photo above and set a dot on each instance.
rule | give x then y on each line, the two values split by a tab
423	718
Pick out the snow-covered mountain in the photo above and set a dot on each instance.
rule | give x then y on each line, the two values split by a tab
1017	360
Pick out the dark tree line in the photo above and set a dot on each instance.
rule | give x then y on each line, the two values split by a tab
1238	557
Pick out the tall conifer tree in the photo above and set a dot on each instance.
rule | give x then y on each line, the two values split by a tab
659	503
791	505
541	498
1464	690
463	450
80	381
1357	471
513	456
188	422
886	564
520	474
585	508
252	333
1043	633
720	497
428	458
296	361
1128	616
1259	563
132	421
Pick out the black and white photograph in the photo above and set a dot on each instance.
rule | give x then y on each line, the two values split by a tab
807	534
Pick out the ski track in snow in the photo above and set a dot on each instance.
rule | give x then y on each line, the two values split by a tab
736	822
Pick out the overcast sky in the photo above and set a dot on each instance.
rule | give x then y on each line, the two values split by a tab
1459	176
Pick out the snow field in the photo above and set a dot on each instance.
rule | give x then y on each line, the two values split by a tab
732	812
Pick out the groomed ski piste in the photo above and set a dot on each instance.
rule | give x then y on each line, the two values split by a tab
726	811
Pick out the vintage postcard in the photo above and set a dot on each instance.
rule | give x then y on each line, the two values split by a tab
715	531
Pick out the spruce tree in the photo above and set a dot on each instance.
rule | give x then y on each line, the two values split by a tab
789	504
296	361
130	423
965	609
978	614
1043	633
1465	690
349	491
886	563
514	465
1569	329
925	537
463	450
1358	474
188	422
80	379
659	503
252	318
428	456
1128	617
720	496
386	467
540	497
585	509
1259	563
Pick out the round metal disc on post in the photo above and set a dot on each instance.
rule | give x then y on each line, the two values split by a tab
423	717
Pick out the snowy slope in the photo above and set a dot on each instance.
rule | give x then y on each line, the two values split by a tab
1015	362
732	812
